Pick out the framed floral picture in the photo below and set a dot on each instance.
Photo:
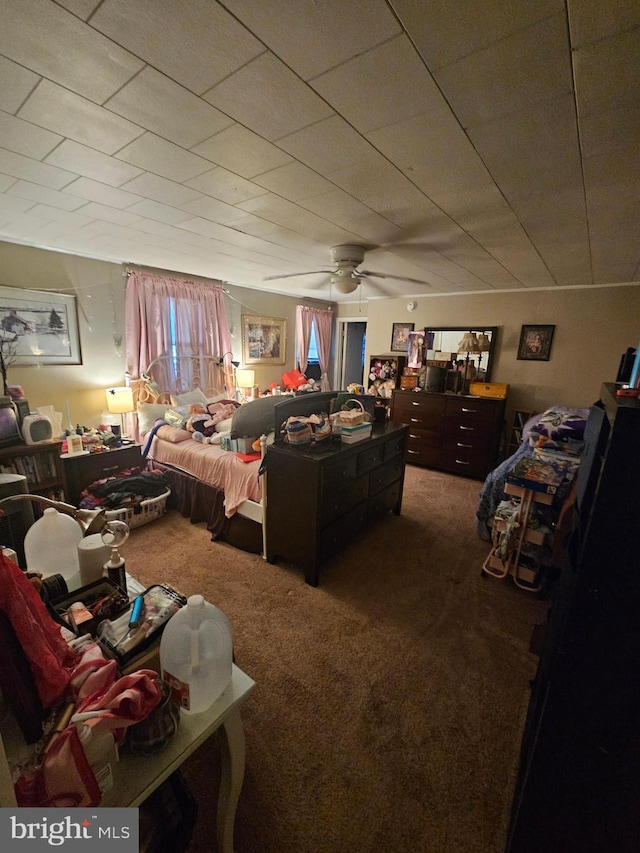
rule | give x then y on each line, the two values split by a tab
535	343
400	336
264	340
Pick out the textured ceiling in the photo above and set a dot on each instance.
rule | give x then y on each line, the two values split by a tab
478	145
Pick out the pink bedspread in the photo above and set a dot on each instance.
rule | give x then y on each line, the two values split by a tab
207	462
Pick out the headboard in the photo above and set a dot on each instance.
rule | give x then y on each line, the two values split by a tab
314	402
168	375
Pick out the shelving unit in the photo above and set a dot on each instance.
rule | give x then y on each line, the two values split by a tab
523	575
39	463
520	417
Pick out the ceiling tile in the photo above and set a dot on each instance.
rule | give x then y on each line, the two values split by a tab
444	36
160	189
293	217
124	218
15	84
25	138
330	144
56	214
37	193
198	47
607	73
317	36
242	151
268	98
154	154
80	8
92	164
341	208
161	212
99	67
65	113
510	75
294	181
158	104
33	170
6	181
101	193
212	208
225	185
592	20
14	203
383	86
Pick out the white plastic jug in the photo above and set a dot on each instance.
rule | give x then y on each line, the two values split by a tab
196	654
51	545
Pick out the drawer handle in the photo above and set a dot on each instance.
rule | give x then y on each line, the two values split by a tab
417	452
413	435
416	403
111	468
460	462
470	411
459	444
468	429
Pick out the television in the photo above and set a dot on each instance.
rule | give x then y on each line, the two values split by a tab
9	429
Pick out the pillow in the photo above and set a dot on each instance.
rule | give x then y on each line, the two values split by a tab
148	414
254	418
224	426
195	396
173	434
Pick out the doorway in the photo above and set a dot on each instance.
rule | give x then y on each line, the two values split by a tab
351	343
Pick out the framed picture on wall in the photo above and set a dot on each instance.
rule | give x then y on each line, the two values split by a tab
535	343
264	340
400	336
38	327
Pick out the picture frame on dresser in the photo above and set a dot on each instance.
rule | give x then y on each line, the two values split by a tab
39	327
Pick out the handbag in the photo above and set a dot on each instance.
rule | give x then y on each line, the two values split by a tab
299	430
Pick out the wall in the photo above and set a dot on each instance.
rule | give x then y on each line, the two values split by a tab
100	287
594	326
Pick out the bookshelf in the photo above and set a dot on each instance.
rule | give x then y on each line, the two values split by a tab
39	463
520	417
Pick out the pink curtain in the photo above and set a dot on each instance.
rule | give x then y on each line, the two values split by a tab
324	325
304	323
167	315
323	320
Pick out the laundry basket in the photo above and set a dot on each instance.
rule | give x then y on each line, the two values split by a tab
150	510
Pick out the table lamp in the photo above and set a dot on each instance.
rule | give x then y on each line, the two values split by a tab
120	402
245	380
469	344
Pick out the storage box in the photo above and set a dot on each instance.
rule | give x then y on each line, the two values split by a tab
495	390
352	434
237	445
149	510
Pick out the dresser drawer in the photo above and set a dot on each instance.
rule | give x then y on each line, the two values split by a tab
468	430
369	458
421	410
334	476
340	501
334	537
465	456
386	474
471	410
393	447
384	501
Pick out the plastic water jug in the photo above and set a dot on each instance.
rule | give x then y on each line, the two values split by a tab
196	654
51	545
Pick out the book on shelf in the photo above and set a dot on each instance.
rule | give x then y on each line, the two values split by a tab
539	476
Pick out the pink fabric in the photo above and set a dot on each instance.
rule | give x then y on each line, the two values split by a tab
304	324
49	656
165	314
211	464
128	700
323	320
93	673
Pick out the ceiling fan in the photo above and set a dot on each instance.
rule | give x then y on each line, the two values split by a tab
345	276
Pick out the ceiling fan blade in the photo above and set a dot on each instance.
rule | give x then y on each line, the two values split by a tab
395	277
294	274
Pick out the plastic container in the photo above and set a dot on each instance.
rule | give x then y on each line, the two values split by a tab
92	555
196	654
102	754
51	545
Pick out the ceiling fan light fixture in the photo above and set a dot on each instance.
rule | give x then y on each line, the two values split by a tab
345	284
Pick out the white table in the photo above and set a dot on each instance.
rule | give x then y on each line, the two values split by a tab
137	777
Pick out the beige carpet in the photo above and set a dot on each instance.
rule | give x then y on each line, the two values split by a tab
390	700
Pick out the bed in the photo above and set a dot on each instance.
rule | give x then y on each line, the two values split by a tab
556	431
208	483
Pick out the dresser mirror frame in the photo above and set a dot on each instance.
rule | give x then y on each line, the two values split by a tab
447	338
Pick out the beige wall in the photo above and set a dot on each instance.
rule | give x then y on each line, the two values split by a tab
99	288
594	326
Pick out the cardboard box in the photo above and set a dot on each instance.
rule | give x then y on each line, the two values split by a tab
238	445
352	434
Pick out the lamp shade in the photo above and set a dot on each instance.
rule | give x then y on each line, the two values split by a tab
484	342
469	343
119	400
245	378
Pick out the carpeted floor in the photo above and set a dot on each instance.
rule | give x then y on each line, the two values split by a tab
390	700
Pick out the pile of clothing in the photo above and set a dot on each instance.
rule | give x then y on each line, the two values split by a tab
127	488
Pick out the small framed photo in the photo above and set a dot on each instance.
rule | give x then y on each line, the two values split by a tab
400	336
264	340
535	343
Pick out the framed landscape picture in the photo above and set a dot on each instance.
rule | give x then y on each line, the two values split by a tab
38	327
535	343
264	340
400	336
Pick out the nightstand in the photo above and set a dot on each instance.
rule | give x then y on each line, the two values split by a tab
80	471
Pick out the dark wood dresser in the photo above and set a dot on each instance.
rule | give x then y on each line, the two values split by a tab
451	432
82	470
319	499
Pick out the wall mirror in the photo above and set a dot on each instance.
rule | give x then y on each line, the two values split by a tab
469	348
